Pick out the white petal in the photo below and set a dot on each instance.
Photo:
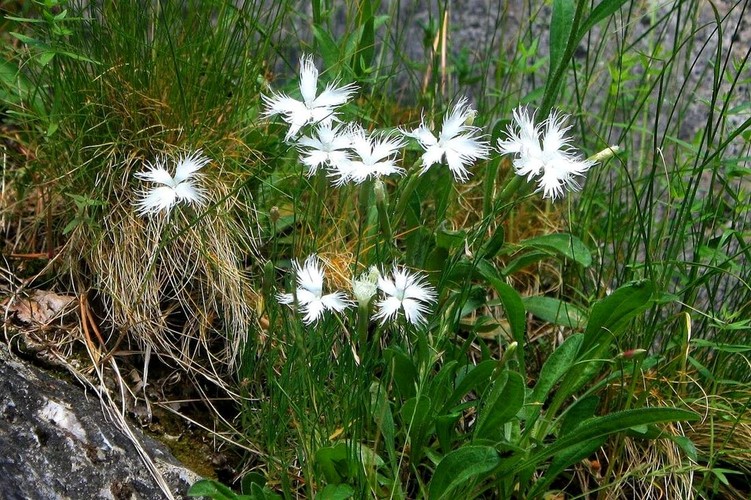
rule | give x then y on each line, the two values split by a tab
281	104
313	311
332	96
336	301
454	123
305	297
387	286
314	159
551	184
285	298
456	165
414	311
310	276
433	154
387	309
155	200
189	193
156	173
308	80
190	164
555	130
423	135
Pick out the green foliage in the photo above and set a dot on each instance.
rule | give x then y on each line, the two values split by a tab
560	332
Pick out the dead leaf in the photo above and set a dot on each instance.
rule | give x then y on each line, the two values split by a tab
39	308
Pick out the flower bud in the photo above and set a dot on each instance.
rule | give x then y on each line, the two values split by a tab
605	154
365	287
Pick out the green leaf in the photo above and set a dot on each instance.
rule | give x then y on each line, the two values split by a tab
471	378
566	245
600	427
721	346
493	245
512	305
448	238
445	429
327	46
579	411
71	225
502	403
403	370
417	417
555	311
688	447
250	479
212	489
366	46
563	460
336	492
461	466
612	313
333	462
383	417
608	317
600	12
557	365
524	260
561	23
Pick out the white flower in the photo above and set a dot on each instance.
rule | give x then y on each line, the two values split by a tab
327	148
373	157
457	142
309	292
406	291
311	109
175	189
365	287
545	153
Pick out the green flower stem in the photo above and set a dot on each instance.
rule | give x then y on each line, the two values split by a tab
363	321
406	192
514	186
490	175
382	205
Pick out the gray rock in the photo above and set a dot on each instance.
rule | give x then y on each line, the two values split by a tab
57	442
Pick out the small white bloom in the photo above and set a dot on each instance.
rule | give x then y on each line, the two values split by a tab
175	189
312	109
365	287
373	157
405	291
546	154
458	142
313	303
327	148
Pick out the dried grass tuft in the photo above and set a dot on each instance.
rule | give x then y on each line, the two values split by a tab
176	282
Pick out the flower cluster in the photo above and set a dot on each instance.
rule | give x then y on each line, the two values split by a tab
402	291
351	155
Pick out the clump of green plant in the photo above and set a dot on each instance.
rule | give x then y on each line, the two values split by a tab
439	399
428	327
120	103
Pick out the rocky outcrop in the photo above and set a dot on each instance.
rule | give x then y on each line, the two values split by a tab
59	441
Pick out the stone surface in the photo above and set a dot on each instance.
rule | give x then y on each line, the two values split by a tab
57	442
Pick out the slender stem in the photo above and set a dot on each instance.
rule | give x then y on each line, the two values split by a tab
382	205
406	193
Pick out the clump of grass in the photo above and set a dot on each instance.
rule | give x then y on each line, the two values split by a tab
111	88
